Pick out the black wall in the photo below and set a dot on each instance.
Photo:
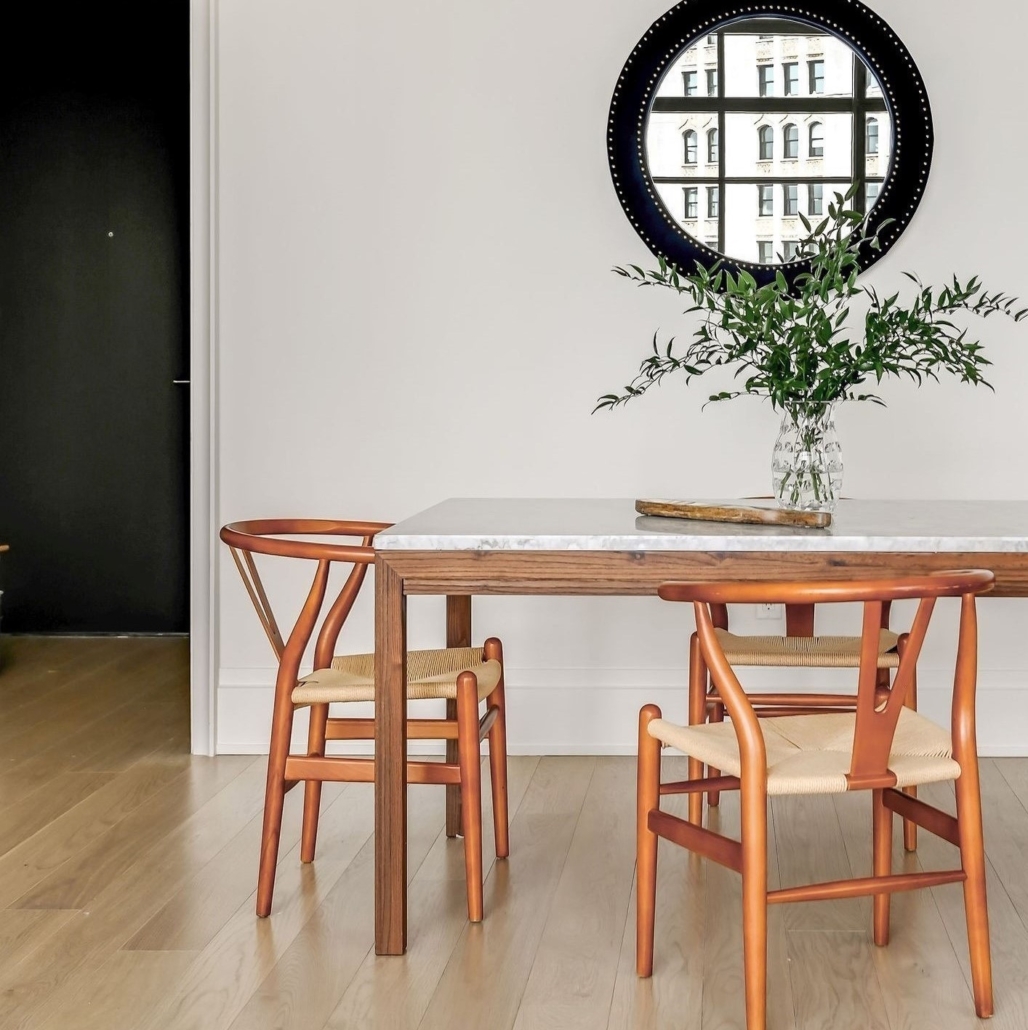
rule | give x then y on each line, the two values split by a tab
94	140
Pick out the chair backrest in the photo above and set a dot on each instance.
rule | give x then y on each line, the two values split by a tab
271	536
876	715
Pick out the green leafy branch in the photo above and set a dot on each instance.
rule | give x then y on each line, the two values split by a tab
794	344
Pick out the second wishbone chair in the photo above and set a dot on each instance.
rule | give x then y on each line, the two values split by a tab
881	746
465	675
798	648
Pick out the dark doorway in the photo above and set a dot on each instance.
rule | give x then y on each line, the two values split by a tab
94	316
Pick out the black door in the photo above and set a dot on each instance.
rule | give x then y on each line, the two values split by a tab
94	220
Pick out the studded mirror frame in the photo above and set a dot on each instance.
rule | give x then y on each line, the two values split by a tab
867	34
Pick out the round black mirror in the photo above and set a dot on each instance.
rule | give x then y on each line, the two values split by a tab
730	123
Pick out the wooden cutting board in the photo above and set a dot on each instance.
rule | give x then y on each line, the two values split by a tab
753	514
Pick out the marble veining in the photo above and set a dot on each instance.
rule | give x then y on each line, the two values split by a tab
558	524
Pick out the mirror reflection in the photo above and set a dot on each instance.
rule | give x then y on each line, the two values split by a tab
758	122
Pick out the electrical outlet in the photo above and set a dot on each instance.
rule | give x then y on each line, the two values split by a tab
770	611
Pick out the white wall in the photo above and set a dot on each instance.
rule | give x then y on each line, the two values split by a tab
415	226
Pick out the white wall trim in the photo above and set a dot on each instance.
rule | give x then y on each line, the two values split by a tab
576	711
203	457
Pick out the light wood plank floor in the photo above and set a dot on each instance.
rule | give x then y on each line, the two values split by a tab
127	872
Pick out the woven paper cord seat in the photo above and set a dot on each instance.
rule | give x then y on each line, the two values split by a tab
430	674
805	652
810	754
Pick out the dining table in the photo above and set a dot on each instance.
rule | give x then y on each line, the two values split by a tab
524	546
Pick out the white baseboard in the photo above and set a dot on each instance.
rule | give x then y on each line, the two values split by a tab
595	711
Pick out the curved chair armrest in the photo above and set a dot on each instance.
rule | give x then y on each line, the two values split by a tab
264	536
950	583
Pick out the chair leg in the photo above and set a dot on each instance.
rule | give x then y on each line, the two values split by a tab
754	906
274	799
697	715
972	858
453	815
911	827
647	799
312	788
714	796
498	754
470	761
881	837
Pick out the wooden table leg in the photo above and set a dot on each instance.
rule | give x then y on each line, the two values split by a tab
458	634
390	761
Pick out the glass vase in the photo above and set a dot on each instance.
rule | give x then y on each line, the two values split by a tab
806	465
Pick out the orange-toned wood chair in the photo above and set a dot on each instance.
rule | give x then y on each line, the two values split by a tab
798	648
467	676
881	746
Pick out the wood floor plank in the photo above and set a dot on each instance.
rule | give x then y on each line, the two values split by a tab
220	793
388	993
80	690
70	834
135	733
230	969
834	981
576	962
123	990
672	999
487	972
811	849
38	664
199	909
21	933
76	882
310	975
36	809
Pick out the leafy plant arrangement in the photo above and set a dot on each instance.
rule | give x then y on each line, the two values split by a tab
795	344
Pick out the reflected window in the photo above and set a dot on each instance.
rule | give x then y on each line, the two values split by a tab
713	244
790	249
765	143
764	254
817	139
691	147
816	72
701	157
791	142
711	39
791	78
870	194
766	80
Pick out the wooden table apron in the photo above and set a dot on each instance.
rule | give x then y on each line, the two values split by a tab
461	574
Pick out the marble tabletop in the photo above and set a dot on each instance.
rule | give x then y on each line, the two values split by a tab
584	524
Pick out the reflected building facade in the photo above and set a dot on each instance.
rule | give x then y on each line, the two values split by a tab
758	123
